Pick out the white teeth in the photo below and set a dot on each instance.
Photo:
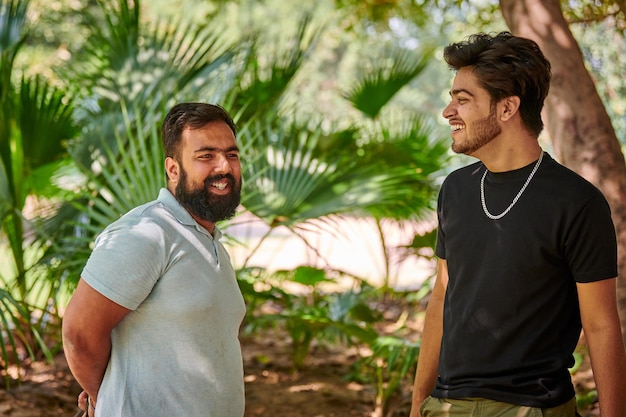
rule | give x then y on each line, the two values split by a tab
457	127
219	186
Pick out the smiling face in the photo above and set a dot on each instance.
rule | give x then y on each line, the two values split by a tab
472	114
206	179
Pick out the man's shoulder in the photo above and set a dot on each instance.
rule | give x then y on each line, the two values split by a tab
152	211
149	220
567	181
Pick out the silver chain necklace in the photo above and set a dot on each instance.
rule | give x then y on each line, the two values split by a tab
519	194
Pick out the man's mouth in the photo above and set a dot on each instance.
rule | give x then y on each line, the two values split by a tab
219	185
457	127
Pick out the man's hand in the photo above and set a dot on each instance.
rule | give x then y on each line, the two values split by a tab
86	405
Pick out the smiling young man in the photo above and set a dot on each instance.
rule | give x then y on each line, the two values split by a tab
152	328
527	255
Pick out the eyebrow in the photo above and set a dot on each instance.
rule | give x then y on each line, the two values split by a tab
214	149
460	90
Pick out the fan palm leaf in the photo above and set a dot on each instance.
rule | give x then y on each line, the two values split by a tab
371	93
142	66
308	175
259	88
115	182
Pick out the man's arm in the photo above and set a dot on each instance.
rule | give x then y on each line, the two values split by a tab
598	310
87	324
428	360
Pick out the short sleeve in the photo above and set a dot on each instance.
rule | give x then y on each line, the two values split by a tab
591	242
126	262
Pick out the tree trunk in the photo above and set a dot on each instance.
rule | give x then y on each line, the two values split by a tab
576	120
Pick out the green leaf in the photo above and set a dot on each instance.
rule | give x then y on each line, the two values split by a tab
371	93
309	276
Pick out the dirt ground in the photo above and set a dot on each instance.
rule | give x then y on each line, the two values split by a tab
272	388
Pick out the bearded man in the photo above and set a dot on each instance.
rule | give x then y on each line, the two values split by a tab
152	328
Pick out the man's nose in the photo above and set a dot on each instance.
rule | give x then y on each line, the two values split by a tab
448	111
222	164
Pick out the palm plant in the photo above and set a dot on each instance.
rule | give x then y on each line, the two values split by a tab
392	360
132	175
381	167
260	89
35	118
126	61
395	137
311	314
375	89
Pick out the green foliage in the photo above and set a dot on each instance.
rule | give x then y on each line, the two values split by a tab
423	245
376	89
586	399
12	319
305	164
35	119
587	11
114	183
310	314
392	360
260	88
140	66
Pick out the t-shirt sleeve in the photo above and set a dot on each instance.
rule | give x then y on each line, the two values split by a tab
591	243
126	262
440	246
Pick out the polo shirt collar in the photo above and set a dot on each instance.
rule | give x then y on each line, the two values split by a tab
182	215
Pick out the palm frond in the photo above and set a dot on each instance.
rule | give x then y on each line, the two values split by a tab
13	320
133	173
262	86
118	37
13	30
117	180
372	92
165	63
287	172
45	121
136	64
305	175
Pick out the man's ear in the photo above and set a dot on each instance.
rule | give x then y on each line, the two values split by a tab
509	107
172	168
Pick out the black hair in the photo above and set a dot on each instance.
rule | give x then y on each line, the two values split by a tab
505	66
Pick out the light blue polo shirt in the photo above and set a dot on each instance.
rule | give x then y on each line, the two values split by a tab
177	353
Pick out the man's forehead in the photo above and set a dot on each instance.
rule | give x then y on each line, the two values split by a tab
465	82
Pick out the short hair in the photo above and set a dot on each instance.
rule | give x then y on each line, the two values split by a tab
193	116
505	66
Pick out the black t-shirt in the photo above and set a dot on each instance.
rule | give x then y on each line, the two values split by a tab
511	316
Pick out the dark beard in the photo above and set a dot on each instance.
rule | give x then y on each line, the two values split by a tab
205	205
485	130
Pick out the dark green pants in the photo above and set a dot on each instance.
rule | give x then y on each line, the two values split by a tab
479	407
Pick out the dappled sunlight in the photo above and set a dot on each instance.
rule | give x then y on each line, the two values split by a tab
348	244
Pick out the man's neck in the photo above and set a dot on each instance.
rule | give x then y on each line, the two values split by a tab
507	154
